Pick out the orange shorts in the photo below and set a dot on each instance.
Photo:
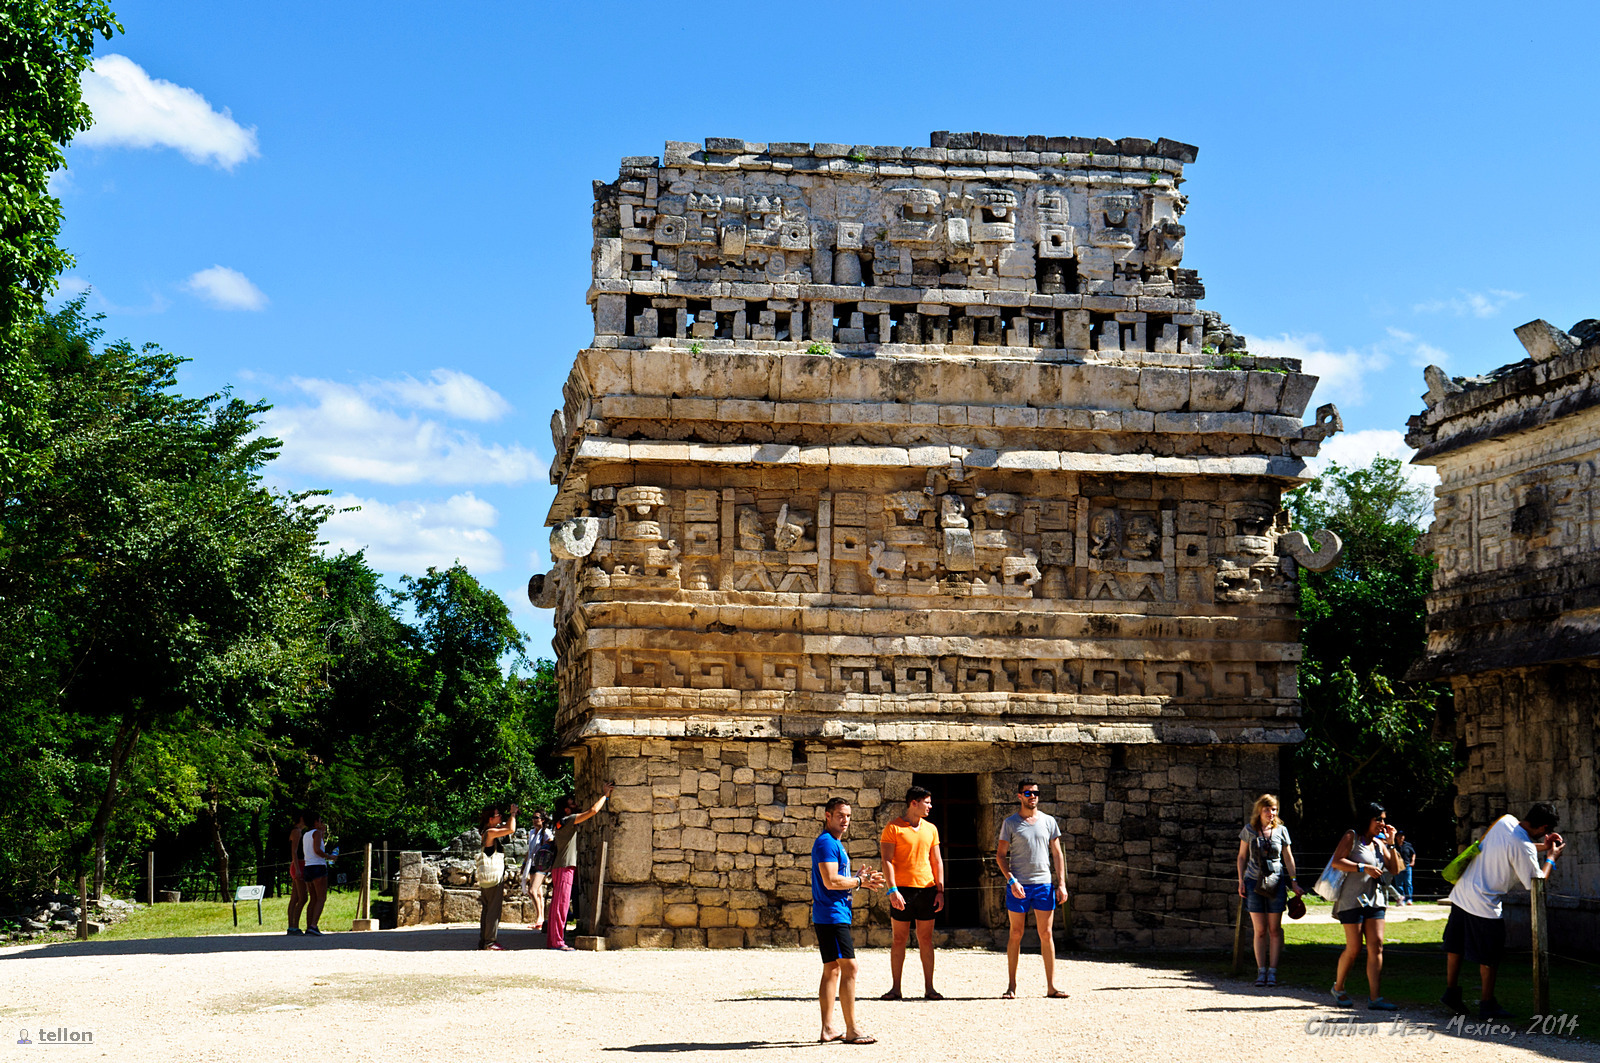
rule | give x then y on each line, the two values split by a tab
297	871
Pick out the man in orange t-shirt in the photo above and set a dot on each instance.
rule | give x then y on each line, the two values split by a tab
914	873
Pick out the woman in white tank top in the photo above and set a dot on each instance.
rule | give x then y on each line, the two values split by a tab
316	872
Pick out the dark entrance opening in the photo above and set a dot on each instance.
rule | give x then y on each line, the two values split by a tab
955	813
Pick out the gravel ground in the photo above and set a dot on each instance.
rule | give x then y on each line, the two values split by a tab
426	993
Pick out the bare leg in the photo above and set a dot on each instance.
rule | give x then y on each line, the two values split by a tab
847	997
1019	924
297	903
1374	930
897	956
1452	970
1045	922
1347	958
1274	940
1486	976
1258	921
827	992
536	894
925	949
318	890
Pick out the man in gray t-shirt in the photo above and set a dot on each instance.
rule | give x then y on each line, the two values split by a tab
1029	855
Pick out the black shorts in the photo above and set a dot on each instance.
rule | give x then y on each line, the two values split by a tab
919	904
1478	940
313	872
834	941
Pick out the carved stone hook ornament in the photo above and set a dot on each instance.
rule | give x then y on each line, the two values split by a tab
1295	546
574	537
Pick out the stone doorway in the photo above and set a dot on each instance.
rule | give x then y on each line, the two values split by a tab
956	813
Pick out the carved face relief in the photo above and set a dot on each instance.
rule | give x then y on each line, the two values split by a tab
1141	539
1105	534
952	512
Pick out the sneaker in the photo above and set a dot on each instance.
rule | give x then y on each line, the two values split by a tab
1452	1000
1380	1004
295	932
1261	977
312	931
1272	976
1492	1009
1341	998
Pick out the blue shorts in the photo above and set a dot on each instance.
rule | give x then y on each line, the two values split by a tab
1274	905
1359	915
1035	898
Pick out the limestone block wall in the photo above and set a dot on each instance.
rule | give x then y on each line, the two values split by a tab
1516	534
710	841
1529	735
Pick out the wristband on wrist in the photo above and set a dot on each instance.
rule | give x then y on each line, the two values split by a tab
891	890
1012	881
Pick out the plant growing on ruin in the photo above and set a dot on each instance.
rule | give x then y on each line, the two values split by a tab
819	348
697	348
857	156
1154	176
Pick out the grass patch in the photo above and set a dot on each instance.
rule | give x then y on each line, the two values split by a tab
197	918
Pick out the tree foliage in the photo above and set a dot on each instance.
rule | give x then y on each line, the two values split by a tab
45	46
1370	734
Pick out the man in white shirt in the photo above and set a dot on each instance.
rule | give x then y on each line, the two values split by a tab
1512	853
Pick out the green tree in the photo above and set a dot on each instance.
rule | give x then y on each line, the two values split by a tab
45	46
150	582
1370	734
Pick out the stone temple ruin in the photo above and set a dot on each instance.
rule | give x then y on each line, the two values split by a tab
1512	620
892	465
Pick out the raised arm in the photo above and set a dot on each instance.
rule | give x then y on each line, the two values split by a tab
594	809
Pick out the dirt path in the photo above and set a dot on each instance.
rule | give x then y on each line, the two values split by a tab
426	994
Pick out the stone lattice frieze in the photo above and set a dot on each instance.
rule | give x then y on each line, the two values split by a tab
730	242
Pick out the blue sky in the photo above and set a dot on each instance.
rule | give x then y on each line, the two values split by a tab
376	217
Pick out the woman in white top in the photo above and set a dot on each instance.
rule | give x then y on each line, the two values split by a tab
1364	855
316	871
536	868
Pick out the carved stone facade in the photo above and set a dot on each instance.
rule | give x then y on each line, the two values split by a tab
920	462
1512	617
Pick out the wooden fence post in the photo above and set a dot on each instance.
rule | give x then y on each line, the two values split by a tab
1541	947
83	907
150	877
363	920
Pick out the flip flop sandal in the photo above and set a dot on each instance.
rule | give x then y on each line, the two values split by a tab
861	1039
1056	994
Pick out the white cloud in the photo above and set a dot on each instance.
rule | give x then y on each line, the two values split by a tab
133	110
226	289
407	537
453	393
1342	374
1355	450
347	435
1420	352
1478	304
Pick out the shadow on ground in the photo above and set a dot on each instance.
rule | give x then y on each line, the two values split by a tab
453	939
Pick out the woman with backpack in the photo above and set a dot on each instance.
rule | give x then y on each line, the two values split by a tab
491	874
536	868
1266	874
1364	854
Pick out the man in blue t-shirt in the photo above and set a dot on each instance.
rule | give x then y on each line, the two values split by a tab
831	886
